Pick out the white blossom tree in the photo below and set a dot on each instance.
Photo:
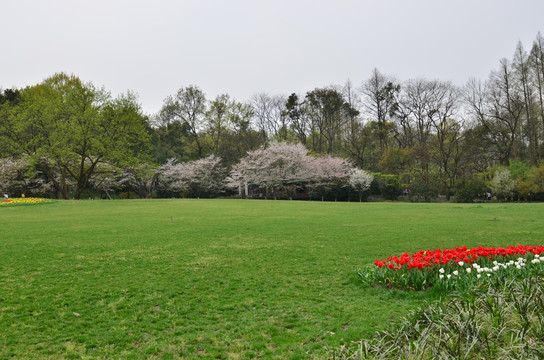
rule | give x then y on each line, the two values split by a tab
360	181
330	173
204	175
277	165
284	165
11	174
18	176
502	184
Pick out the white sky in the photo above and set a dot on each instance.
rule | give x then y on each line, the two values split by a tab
242	47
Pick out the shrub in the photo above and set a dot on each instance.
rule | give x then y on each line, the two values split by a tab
498	320
469	189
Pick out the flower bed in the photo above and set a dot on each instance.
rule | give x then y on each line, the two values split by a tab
452	268
23	201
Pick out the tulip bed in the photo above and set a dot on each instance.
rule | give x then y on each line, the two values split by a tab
456	268
23	201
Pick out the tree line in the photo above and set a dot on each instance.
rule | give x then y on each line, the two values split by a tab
67	138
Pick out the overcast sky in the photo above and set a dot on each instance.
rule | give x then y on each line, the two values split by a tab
242	47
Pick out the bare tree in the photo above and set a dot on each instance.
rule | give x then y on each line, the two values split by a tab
270	116
379	102
537	69
524	81
498	107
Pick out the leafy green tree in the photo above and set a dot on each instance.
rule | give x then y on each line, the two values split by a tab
68	128
188	107
9	98
169	141
530	186
467	189
297	115
328	112
217	123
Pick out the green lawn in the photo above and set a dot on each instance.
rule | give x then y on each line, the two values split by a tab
171	279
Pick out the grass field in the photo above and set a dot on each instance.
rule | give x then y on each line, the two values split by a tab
235	279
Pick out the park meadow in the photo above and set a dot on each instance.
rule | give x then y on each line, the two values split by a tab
231	279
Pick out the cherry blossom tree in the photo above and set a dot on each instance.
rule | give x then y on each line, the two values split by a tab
282	165
18	176
11	174
330	173
197	177
277	165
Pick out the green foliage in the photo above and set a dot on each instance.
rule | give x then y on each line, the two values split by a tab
386	184
169	143
396	160
68	128
424	186
469	189
531	186
518	169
